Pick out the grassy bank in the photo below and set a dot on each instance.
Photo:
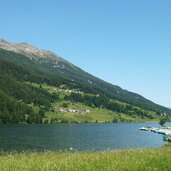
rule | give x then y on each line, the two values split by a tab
130	160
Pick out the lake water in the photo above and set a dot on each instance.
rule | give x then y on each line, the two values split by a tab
81	137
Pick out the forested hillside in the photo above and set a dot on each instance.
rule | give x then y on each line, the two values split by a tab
22	101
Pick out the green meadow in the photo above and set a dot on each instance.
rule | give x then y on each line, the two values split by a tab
96	114
157	159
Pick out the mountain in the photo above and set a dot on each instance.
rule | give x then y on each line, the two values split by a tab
22	65
27	49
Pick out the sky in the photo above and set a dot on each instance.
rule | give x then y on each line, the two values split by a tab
124	42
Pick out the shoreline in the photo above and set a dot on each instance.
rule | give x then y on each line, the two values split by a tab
58	123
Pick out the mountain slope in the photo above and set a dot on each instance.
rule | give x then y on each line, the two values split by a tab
24	63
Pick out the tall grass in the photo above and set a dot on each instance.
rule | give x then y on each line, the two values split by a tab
123	160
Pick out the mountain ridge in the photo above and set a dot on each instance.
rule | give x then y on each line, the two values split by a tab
27	49
36	52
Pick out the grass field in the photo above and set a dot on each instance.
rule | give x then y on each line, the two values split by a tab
158	159
95	115
100	115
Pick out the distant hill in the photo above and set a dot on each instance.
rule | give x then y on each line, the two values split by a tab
22	64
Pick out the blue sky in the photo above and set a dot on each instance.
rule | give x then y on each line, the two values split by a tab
125	42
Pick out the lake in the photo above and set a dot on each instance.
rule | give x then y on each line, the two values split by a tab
81	137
